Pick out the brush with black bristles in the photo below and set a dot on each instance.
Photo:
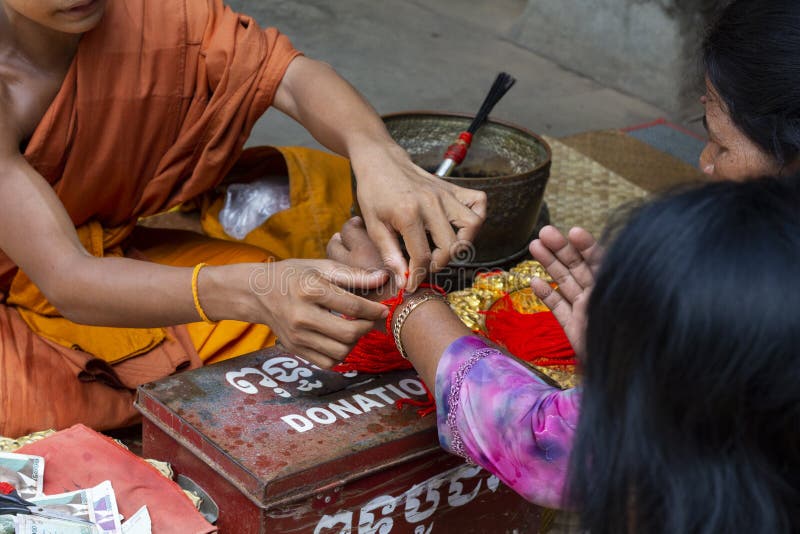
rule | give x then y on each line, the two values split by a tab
458	151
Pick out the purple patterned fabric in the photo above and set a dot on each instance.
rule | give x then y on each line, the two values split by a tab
500	415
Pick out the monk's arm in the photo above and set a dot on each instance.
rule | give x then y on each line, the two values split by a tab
38	235
294	297
313	94
397	198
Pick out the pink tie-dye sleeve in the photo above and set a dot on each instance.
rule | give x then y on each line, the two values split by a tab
497	413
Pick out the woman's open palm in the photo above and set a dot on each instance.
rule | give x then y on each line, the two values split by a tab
572	261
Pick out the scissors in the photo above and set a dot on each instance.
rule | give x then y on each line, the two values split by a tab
11	503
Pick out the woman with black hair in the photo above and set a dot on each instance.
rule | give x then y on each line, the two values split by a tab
752	102
690	420
690	410
690	406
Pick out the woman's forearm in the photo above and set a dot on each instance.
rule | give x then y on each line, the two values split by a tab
491	408
427	332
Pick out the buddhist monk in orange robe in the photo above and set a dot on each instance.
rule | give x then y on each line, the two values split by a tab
111	111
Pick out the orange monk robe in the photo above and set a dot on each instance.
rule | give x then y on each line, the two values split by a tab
153	112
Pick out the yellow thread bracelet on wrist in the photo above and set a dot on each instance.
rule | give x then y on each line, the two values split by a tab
196	296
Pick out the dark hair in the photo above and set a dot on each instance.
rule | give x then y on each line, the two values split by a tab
690	417
752	56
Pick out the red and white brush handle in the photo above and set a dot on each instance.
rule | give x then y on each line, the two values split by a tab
455	154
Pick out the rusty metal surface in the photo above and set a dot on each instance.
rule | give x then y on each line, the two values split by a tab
276	426
370	469
436	493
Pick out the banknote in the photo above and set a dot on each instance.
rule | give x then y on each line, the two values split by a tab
77	504
31	524
6	524
138	523
106	513
24	472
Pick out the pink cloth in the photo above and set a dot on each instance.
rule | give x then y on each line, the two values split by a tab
79	458
499	414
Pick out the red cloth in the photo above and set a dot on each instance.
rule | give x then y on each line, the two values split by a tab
79	458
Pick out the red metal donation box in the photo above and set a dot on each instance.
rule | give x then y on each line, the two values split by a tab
283	446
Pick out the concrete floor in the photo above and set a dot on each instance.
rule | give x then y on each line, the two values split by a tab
438	55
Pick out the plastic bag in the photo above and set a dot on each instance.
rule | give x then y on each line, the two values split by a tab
248	206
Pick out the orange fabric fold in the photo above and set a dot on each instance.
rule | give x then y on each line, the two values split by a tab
320	194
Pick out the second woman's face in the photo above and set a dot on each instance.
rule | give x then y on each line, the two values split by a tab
730	154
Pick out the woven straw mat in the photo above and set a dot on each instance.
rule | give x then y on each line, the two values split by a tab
581	192
634	160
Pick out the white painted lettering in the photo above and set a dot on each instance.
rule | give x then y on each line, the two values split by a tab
457	495
414	387
397	391
298	422
331	522
367	523
422	502
321	416
365	403
418	510
379	392
343	409
236	379
358	404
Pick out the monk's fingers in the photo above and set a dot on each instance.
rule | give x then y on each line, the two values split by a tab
317	358
344	276
336	299
388	245
297	342
444	237
588	247
321	331
332	344
340	329
420	255
562	310
466	211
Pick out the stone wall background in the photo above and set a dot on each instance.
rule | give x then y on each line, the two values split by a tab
648	48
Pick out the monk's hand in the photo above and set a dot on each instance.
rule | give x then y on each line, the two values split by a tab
399	199
572	262
309	305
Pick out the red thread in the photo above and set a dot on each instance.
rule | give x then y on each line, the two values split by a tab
377	353
534	337
425	407
6	488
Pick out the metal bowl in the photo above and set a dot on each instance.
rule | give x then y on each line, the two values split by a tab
508	162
